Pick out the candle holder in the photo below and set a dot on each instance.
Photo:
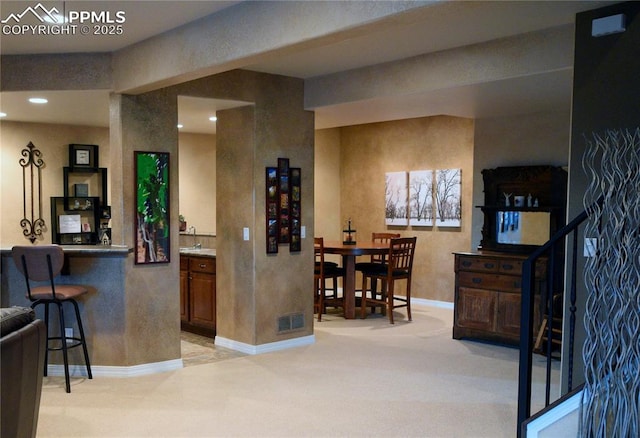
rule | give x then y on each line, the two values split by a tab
349	235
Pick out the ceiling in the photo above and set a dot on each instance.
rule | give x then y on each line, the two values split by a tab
441	26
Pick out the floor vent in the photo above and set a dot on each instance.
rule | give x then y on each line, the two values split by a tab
288	323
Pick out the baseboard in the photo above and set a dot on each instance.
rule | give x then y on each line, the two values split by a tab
117	371
432	303
264	348
558	419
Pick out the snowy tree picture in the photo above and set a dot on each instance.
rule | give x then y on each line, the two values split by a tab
396	197
448	197
421	198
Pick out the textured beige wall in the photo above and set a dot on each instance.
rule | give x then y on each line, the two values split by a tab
151	332
197	173
53	142
369	151
254	288
327	218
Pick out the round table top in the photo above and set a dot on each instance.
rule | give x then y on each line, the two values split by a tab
359	248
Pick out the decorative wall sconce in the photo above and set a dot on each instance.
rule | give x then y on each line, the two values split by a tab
31	163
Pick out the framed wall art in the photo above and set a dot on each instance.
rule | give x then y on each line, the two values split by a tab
396	196
294	210
272	199
83	156
283	203
448	197
283	213
421	198
152	231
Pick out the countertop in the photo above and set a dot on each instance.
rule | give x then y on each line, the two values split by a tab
204	252
88	250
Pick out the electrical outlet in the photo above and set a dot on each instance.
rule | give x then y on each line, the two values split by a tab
303	232
245	233
590	246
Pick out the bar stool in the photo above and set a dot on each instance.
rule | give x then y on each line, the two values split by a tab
44	263
324	270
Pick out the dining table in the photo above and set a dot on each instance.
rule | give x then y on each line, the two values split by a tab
349	252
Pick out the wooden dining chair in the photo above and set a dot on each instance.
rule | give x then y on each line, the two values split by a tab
376	259
324	270
398	266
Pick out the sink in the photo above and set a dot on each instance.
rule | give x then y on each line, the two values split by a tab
190	248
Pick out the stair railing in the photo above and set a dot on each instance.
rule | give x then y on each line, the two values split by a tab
552	249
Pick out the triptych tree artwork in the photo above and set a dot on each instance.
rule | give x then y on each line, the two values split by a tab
423	198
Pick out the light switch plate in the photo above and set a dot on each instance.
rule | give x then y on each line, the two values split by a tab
303	232
245	233
590	246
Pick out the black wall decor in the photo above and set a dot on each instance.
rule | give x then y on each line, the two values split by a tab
283	206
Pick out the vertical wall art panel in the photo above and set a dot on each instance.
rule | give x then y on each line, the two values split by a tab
152	207
396	198
283	203
448	197
272	209
421	198
295	209
283	212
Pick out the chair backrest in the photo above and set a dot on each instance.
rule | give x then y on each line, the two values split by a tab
38	263
382	238
401	251
318	249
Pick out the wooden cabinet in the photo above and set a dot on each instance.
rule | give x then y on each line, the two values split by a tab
198	294
487	296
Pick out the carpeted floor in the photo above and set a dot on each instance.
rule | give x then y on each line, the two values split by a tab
362	378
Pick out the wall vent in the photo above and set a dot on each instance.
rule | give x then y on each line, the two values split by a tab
291	322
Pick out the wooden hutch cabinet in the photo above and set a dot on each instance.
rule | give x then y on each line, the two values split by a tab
198	294
523	207
487	296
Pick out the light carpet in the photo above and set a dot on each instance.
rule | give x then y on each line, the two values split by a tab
362	378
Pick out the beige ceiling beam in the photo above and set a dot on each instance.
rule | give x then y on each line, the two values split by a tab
519	56
71	71
245	34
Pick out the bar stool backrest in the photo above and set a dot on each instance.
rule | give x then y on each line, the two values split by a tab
38	263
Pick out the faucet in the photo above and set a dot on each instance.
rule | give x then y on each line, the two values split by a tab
195	244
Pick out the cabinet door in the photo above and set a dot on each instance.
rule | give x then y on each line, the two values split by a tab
508	321
202	299
184	299
476	309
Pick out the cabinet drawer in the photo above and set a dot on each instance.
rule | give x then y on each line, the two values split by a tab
513	267
481	264
202	264
479	280
184	263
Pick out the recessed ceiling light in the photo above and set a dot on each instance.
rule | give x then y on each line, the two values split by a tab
213	118
180	125
38	100
3	114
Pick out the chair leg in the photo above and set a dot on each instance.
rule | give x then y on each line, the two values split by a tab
409	299
82	339
321	300
390	300
46	350
63	340
363	299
